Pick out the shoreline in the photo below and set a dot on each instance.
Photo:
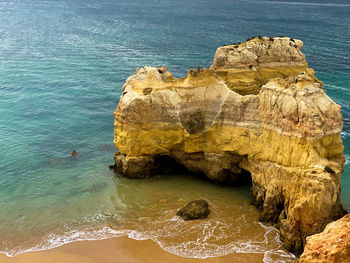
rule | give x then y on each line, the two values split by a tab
118	249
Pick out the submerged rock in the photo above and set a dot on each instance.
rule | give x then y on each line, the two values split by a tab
197	209
258	112
73	153
330	246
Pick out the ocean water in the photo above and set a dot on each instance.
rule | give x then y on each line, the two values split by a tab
62	66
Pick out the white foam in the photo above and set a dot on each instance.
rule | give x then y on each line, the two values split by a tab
53	240
137	235
200	247
345	134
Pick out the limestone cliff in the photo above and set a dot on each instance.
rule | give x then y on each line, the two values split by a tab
330	246
285	133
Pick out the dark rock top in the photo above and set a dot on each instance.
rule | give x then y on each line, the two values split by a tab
197	209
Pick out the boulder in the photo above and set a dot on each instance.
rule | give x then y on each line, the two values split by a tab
197	209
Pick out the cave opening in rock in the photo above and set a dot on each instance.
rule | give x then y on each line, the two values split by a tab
240	179
165	164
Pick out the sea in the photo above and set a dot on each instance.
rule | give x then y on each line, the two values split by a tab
62	66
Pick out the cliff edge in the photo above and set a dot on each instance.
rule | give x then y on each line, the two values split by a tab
330	246
258	111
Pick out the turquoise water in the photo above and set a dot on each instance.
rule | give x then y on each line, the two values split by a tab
62	66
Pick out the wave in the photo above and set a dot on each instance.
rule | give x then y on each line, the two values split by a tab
345	134
56	240
337	87
299	3
189	249
204	250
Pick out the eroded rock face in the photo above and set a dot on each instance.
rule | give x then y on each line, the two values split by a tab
286	134
246	67
330	246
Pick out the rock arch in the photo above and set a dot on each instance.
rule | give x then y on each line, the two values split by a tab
259	108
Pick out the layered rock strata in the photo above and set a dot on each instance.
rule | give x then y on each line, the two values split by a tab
285	134
245	67
330	246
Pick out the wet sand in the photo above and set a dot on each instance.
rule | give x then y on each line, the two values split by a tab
115	250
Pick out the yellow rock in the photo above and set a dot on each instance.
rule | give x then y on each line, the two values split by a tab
285	133
248	66
330	246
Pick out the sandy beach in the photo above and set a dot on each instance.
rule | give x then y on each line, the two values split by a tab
121	249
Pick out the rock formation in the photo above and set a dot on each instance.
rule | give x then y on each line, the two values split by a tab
330	246
73	153
196	209
260	111
246	67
